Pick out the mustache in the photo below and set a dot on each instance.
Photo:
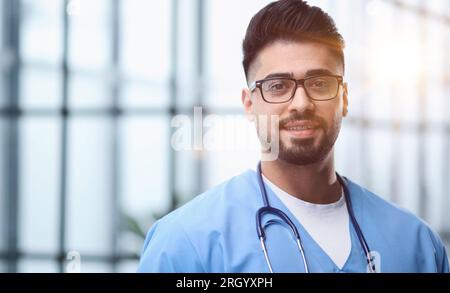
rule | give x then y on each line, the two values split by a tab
303	117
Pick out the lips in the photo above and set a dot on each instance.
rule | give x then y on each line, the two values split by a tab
301	129
300	125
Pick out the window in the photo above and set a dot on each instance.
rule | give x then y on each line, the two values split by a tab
88	94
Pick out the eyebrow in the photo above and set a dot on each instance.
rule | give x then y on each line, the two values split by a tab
279	74
312	72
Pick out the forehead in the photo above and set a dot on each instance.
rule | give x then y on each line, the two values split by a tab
294	57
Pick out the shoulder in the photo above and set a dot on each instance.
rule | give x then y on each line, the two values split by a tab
238	191
379	208
168	249
178	241
397	225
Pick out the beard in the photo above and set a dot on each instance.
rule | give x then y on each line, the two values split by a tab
309	151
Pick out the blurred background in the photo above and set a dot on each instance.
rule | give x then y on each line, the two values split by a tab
88	90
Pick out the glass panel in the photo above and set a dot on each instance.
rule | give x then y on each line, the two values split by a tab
144	161
141	94
435	51
187	53
407	173
436	112
186	182
1	24
435	70
128	266
37	266
144	170
39	184
2	57
445	223
40	88
232	147
131	240
339	11
146	23
224	74
89	223
3	178
3	94
3	264
90	35
434	166
354	30
41	31
380	159
89	91
394	89
439	7
348	145
95	267
324	4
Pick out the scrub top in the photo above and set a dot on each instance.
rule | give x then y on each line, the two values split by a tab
216	232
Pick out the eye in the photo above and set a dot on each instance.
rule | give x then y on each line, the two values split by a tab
277	86
319	83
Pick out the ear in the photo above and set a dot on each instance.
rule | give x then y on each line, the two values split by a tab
345	100
248	104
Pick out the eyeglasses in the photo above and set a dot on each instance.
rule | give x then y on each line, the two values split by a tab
277	90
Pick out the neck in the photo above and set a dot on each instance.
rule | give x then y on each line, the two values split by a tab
315	183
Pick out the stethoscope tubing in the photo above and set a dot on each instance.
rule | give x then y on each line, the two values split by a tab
268	209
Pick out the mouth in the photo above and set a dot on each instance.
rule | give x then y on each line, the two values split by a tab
301	129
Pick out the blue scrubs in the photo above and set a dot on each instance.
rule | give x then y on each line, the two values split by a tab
216	232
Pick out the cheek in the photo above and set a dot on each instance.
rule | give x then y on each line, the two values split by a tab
331	114
263	108
337	119
267	118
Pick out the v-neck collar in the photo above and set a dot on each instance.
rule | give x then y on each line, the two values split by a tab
318	260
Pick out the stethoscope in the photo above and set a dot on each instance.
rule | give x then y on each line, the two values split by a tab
268	209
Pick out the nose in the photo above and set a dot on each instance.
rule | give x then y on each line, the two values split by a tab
301	102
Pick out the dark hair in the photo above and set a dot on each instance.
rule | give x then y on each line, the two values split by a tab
290	20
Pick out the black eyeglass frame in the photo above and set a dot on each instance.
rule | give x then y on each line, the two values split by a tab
298	82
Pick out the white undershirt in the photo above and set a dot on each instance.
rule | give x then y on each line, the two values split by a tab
328	224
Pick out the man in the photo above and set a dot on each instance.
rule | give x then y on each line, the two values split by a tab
317	221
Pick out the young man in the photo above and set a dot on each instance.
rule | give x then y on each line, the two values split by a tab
295	213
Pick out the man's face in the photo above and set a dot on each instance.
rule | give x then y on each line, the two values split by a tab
300	60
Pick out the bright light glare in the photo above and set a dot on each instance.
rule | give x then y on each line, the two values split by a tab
396	58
